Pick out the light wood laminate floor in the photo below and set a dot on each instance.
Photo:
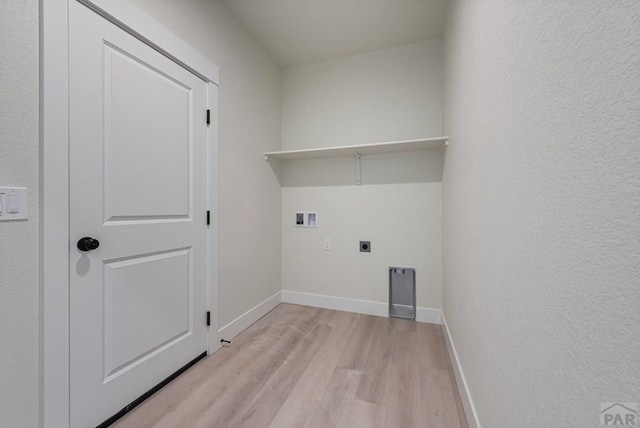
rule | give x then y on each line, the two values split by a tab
307	367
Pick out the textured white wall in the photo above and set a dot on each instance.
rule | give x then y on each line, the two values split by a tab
249	217
541	206
402	221
19	240
386	95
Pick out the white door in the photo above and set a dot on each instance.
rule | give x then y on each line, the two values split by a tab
138	185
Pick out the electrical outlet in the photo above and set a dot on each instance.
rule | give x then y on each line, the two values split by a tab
365	246
327	244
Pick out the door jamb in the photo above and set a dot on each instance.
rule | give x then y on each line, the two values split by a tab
54	398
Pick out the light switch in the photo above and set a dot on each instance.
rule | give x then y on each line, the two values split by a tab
13	203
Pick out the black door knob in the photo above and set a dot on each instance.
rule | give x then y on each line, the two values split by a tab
88	244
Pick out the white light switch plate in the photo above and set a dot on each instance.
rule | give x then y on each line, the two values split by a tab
13	203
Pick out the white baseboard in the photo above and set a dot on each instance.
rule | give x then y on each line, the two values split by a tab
428	315
463	388
239	324
336	303
381	309
368	307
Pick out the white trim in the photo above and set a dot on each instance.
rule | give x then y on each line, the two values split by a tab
54	214
428	315
463	387
213	278
245	320
368	307
137	22
336	303
54	182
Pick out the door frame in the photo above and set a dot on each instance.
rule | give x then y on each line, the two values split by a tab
55	241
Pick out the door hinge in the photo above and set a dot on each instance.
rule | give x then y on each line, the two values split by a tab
208	117
208	218
208	318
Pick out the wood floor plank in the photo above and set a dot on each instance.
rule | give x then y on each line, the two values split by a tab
404	408
309	367
298	407
267	402
360	414
264	357
377	362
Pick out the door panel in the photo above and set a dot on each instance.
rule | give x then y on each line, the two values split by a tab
148	151
152	293
138	184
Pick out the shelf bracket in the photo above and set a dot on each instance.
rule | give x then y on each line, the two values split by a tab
358	158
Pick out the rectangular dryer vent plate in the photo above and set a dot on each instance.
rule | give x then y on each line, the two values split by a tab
402	292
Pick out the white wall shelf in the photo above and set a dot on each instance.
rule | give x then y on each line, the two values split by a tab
361	149
357	151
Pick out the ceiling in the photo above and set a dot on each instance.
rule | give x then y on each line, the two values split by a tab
298	32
